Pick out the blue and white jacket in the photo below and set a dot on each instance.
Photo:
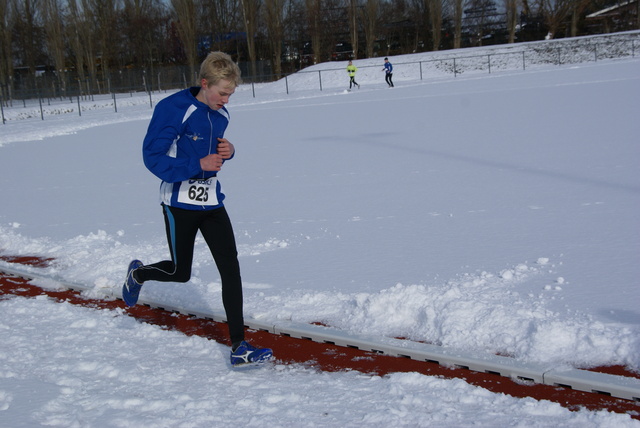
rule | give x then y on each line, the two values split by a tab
181	132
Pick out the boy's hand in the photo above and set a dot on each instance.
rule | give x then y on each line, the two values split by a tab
225	148
212	162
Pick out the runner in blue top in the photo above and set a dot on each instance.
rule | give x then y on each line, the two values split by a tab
185	147
388	69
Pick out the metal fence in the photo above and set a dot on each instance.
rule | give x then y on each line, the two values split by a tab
513	57
49	89
47	83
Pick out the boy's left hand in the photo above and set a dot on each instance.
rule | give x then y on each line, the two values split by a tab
225	148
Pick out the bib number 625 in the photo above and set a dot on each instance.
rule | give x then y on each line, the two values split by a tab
198	192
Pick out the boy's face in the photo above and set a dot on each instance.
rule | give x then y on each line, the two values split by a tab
216	96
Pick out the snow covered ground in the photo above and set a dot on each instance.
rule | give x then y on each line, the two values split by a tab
491	212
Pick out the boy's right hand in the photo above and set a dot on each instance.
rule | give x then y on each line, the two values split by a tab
212	162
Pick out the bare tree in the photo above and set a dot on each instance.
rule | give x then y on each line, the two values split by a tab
555	12
457	24
55	39
370	13
419	10
577	9
275	15
250	11
6	29
482	19
185	15
140	27
335	29
78	37
27	34
511	8
353	25
220	17
145	36
435	13
87	41
104	17
314	18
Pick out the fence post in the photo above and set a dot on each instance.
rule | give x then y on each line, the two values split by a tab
89	91
114	102
523	61
489	59
455	69
320	78
253	88
286	84
9	93
420	70
41	112
4	121
79	109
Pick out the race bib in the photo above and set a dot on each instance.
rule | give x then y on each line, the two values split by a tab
198	192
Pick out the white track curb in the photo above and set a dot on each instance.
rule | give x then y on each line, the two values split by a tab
582	380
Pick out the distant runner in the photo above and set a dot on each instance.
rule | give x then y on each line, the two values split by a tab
388	69
351	69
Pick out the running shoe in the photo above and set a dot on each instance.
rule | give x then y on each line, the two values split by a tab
131	287
247	354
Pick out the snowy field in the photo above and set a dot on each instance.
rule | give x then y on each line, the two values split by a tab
490	212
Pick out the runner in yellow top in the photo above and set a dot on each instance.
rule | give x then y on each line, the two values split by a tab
351	69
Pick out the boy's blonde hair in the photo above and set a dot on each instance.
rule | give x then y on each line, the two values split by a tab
219	66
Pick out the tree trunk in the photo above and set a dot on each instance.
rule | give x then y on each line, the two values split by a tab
457	17
275	18
185	14
250	13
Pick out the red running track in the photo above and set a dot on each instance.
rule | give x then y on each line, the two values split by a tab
329	357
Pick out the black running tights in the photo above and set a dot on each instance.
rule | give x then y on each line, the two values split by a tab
181	227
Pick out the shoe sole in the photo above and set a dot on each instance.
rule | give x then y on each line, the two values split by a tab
261	362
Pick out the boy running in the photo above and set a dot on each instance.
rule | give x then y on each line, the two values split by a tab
185	147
